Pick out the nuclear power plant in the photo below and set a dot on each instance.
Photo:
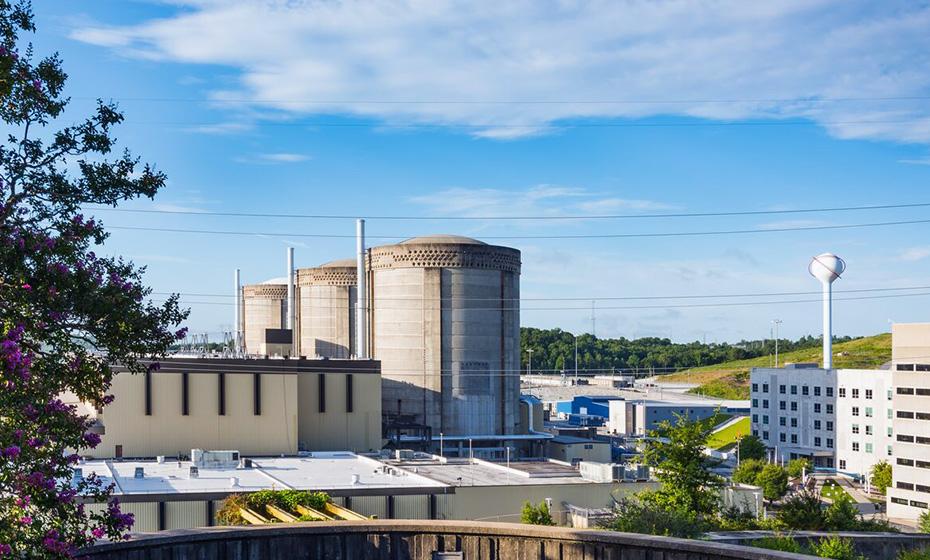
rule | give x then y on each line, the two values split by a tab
440	313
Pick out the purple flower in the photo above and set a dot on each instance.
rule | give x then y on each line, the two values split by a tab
98	532
12	451
5	549
25	520
91	439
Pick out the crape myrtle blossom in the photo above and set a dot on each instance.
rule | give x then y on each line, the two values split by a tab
66	313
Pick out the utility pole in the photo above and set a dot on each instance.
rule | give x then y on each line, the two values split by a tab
593	320
576	359
776	322
529	365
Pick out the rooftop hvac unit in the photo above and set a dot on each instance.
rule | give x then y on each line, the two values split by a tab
226	459
404	454
140	472
193	472
77	475
246	463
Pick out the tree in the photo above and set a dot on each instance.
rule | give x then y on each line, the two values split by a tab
881	476
67	315
923	522
802	512
842	515
773	479
679	463
536	515
751	447
747	471
797	467
644	514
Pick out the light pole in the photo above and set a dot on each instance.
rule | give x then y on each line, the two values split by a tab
440	444
529	365
776	322
576	359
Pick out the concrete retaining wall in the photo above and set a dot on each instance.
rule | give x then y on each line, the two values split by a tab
412	540
875	546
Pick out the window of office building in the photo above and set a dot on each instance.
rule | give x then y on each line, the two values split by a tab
817	424
781	420
755	387
905	414
817	408
855	393
868	412
889	394
755	418
829	409
829	425
889	451
868	394
781	438
765	403
842	392
855	428
889	431
855	446
755	433
868	430
816	441
829	391
765	387
794	422
781	389
868	447
765	419
905	462
782	405
829	443
805	390
794	438
855	411
922	415
922	392
755	403
905	438
794	389
889	414
817	391
794	406
765	435
842	464
905	390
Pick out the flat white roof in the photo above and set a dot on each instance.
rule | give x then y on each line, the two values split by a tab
460	472
318	471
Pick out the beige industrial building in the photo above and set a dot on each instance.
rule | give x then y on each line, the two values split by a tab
909	495
258	407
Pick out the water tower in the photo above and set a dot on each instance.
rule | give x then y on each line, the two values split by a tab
827	267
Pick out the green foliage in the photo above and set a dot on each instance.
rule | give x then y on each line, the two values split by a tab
802	512
923	522
773	479
645	514
730	388
287	500
748	470
229	513
736	519
751	447
881	476
679	463
68	316
842	515
797	467
917	554
554	350
836	548
536	515
782	543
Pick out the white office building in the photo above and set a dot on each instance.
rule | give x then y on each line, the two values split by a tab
836	418
909	494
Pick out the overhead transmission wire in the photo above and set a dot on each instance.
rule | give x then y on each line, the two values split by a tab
517	237
520	217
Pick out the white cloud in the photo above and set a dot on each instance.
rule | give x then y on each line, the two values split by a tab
540	200
510	69
915	254
918	161
283	157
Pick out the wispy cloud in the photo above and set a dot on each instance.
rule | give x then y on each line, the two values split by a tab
540	200
522	68
272	158
918	161
914	254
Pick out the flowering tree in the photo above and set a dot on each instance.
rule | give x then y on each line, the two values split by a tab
67	315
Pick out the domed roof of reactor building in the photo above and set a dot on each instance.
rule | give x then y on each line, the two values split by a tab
442	239
340	263
281	280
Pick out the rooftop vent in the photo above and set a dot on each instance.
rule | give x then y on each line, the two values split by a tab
194	472
140	472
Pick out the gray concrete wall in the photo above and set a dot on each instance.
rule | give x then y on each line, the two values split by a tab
874	546
413	540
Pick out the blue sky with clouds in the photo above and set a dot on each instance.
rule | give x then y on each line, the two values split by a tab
433	108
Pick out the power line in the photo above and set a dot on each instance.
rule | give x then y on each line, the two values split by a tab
563	236
579	298
515	218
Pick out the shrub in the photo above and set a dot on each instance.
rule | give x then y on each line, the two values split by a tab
918	554
774	482
737	519
747	471
639	515
923	522
287	500
842	515
802	512
536	515
880	477
836	548
229	513
796	467
783	543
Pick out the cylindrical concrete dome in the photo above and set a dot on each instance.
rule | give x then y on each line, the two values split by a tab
263	307
445	324
326	309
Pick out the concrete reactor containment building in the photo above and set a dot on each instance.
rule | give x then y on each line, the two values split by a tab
445	324
326	311
441	313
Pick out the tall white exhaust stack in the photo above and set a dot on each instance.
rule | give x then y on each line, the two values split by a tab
237	319
361	309
290	290
827	268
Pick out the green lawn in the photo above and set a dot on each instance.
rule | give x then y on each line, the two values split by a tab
730	380
833	491
729	435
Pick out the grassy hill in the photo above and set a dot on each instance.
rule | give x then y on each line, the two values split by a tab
730	380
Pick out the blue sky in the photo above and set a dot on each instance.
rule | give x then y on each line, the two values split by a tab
523	108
